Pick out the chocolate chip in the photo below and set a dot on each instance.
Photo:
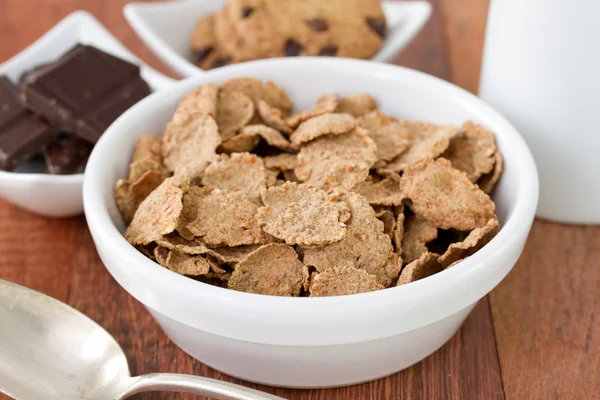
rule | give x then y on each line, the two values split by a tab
328	51
317	24
378	25
221	61
201	53
292	48
246	11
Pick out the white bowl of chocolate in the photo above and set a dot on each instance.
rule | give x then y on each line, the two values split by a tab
56	99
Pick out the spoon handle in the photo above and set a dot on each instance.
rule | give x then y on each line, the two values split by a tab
212	388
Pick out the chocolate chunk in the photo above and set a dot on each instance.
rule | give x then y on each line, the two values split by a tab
246	11
201	53
67	154
22	133
328	51
84	91
317	24
293	48
219	62
377	25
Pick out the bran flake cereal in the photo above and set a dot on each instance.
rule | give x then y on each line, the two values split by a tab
325	104
337	160
386	192
488	181
338	281
256	90
426	141
365	245
190	140
389	135
445	196
272	117
250	136
240	171
226	218
234	111
357	105
302	214
238	194
281	162
202	101
472	243
473	152
422	267
273	269
158	214
324	124
417	233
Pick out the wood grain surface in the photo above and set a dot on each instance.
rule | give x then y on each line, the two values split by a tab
537	336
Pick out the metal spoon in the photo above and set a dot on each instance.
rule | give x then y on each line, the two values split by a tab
50	351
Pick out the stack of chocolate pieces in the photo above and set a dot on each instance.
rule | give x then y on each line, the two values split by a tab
62	108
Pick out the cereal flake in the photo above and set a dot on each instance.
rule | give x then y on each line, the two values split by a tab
386	215
226	218
337	160
426	141
390	136
147	147
256	90
417	233
190	140
339	281
365	246
273	269
281	162
202	101
476	239
240	171
184	264
488	181
272	117
357	105
445	196
386	192
473	152
158	214
324	124
234	111
325	104
422	267
301	214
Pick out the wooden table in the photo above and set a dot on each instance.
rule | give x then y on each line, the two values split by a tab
536	336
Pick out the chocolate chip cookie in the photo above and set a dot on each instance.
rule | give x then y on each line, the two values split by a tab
254	29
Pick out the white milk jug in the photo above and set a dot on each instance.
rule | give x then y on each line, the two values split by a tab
541	69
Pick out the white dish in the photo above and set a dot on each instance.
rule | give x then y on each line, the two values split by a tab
166	27
314	342
60	195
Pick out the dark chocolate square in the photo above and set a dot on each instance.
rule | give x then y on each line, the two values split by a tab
84	91
22	133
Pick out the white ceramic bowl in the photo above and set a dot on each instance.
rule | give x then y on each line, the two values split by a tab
314	342
166	27
28	187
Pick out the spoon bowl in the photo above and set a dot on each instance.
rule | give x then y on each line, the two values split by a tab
52	351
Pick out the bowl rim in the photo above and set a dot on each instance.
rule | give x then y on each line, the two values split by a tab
106	235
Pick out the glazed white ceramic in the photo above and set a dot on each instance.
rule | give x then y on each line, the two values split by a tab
314	342
166	27
542	73
28	187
